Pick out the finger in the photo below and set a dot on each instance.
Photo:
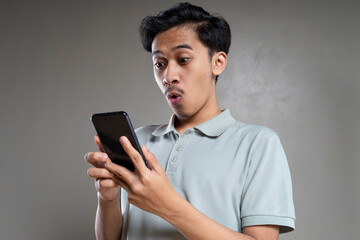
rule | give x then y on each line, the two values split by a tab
97	159
121	172
98	143
107	183
133	154
122	184
151	159
98	173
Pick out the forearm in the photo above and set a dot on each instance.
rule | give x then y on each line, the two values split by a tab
195	225
108	222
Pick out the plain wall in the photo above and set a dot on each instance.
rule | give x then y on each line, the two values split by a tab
293	66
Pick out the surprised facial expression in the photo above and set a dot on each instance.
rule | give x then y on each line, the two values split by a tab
183	71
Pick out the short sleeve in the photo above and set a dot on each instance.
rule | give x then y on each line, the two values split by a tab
267	195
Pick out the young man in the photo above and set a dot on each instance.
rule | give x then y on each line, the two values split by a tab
210	176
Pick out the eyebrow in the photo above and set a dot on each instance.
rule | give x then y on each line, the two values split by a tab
187	46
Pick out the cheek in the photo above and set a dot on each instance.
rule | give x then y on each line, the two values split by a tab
161	86
203	80
158	80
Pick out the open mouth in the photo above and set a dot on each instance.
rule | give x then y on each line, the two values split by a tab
174	98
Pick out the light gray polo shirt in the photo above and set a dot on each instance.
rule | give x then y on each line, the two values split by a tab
235	173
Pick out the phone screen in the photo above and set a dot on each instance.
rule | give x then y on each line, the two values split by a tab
110	127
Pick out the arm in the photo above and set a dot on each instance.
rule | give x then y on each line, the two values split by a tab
108	221
195	225
151	190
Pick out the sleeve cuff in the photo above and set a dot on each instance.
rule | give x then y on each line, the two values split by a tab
286	224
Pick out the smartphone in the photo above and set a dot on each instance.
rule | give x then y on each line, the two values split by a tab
110	127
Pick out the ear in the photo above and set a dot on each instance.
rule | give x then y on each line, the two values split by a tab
219	61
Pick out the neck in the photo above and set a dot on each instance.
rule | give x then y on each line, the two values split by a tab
201	116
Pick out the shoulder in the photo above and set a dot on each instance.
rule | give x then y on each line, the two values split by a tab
252	133
262	143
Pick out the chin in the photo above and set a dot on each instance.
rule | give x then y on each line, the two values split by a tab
180	114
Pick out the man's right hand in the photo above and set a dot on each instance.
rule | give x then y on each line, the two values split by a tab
107	189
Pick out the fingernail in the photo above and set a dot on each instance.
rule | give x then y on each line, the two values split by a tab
103	156
145	148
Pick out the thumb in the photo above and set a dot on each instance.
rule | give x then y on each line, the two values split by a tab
98	143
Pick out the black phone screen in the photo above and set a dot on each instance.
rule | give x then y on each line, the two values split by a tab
110	127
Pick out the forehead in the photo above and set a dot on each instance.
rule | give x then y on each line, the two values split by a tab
176	36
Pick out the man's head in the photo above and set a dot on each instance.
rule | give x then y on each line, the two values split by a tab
188	48
213	31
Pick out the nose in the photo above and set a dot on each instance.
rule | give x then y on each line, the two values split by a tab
171	75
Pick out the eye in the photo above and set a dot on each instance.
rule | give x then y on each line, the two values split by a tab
159	64
183	60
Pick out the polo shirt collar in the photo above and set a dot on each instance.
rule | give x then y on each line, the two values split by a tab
212	128
164	129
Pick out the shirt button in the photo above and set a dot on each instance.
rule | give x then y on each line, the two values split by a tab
173	159
178	148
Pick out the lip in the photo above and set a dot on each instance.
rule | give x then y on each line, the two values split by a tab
174	97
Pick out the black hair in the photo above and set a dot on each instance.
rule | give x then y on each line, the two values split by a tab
212	30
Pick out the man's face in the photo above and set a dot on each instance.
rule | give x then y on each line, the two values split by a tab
183	71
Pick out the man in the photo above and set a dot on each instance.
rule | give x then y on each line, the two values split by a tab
210	176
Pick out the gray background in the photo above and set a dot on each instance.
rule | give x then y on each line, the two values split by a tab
293	66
